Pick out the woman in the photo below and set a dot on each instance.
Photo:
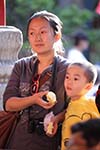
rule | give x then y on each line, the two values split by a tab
30	78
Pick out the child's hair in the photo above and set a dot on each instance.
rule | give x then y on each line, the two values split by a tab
90	71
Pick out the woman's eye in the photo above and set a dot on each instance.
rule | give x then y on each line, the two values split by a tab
31	33
42	32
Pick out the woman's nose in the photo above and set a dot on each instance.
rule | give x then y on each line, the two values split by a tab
38	37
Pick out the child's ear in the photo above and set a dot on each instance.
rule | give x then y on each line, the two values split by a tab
89	86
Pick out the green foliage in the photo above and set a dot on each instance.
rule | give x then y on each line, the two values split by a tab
26	7
18	11
36	4
94	37
73	18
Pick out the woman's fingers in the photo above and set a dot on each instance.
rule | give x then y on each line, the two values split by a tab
47	105
41	94
39	100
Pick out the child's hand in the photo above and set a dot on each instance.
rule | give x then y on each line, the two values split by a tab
55	126
50	124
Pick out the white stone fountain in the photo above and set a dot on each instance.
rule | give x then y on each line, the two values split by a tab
11	41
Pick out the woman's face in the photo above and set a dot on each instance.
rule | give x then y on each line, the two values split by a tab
41	36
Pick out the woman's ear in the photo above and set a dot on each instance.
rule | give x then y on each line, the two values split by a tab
58	36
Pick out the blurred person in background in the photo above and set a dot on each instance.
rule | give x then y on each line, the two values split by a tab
80	44
85	135
97	99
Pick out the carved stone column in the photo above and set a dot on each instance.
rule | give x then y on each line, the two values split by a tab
11	41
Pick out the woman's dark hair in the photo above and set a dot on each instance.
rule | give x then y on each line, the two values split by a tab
90	131
54	21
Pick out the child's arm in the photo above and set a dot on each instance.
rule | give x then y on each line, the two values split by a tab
54	121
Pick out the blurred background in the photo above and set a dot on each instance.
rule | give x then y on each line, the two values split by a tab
76	15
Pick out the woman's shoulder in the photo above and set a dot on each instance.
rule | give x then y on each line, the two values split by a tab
26	59
25	63
62	61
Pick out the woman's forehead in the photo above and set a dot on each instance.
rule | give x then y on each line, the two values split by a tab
39	20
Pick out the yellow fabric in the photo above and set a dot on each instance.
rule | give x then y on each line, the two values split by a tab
77	111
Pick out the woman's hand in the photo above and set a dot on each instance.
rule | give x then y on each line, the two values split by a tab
20	103
37	97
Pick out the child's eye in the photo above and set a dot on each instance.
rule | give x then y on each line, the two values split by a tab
67	77
75	79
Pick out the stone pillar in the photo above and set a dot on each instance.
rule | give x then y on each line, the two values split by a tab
11	41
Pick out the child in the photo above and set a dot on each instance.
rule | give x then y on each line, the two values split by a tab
80	77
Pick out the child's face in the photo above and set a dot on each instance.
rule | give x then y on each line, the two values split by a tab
75	82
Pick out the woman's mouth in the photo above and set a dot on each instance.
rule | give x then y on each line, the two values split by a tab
39	45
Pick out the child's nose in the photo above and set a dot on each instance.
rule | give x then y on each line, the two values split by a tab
70	82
